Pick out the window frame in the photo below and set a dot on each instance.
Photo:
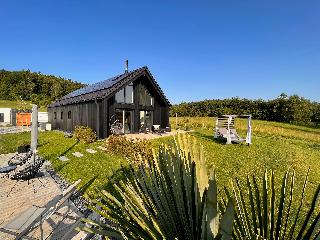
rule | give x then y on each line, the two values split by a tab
123	94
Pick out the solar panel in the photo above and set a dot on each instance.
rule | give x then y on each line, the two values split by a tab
95	87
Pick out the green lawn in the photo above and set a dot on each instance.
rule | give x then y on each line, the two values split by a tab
53	144
276	146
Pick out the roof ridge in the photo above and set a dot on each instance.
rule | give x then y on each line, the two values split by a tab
106	87
111	79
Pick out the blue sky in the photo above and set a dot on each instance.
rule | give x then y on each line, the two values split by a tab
195	49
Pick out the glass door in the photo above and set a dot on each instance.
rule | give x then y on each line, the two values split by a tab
146	120
124	120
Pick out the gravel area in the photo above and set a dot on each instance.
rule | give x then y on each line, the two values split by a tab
78	200
15	129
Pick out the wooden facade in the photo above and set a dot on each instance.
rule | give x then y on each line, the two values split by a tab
98	109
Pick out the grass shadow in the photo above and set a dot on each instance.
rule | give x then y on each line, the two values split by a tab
123	174
60	167
69	148
43	144
87	185
209	137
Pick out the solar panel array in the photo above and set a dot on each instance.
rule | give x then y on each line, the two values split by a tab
95	87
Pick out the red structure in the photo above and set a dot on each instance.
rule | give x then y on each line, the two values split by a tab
24	119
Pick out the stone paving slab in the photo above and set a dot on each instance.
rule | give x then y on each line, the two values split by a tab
89	150
148	136
77	154
102	148
63	158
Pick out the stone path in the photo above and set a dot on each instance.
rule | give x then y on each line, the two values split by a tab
63	158
77	154
89	150
102	148
147	136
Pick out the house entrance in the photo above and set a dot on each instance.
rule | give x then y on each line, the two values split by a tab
124	120
146	120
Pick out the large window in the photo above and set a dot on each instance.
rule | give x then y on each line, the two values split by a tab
120	96
145	98
1	117
125	95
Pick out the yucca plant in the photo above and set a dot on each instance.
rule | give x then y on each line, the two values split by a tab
262	213
169	197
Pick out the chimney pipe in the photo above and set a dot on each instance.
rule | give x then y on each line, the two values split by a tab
127	66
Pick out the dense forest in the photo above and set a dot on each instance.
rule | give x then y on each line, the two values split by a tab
38	88
291	109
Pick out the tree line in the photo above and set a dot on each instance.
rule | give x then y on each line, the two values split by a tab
36	87
291	109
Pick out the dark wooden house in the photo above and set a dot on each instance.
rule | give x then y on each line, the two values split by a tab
133	98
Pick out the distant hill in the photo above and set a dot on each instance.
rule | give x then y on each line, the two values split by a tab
34	87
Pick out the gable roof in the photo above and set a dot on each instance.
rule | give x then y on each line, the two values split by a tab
107	88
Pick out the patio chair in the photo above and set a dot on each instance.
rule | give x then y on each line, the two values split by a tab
36	215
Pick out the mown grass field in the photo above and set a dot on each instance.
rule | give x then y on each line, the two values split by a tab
18	105
276	146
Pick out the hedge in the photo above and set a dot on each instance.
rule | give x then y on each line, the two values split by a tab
291	109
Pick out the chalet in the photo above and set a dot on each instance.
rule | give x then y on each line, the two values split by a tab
133	99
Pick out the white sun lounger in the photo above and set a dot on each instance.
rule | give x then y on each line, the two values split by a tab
225	128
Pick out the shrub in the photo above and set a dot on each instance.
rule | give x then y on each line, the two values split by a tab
84	134
133	150
171	198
